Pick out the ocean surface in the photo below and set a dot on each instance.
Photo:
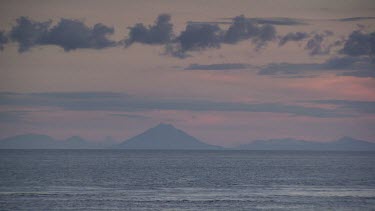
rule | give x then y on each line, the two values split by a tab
186	180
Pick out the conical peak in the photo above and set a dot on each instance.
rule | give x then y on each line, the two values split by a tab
164	125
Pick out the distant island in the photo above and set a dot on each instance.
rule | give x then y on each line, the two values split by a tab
168	137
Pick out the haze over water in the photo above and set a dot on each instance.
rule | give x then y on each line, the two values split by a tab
186	180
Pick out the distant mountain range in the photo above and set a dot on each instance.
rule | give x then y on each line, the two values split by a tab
342	144
37	141
166	136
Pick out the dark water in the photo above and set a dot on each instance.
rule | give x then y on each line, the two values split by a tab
186	180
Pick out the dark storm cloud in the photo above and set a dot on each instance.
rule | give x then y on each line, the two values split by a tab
350	66
222	66
359	44
293	36
124	102
159	33
3	40
359	106
68	34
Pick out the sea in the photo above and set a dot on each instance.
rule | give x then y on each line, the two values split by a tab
186	180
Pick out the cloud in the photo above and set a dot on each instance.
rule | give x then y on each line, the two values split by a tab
102	101
278	21
159	33
132	116
272	21
355	19
73	34
318	46
293	36
68	34
210	22
359	106
29	33
200	36
359	44
361	74
3	40
243	28
13	116
197	37
222	66
288	68
350	66
315	44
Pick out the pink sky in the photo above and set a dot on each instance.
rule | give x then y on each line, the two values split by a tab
164	82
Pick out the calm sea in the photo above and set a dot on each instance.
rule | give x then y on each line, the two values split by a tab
186	180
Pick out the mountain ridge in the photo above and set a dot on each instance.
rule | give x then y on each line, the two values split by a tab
343	144
40	141
166	136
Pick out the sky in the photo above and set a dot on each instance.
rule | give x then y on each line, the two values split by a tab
226	72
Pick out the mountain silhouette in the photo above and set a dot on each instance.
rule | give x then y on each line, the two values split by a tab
164	136
76	142
28	141
37	141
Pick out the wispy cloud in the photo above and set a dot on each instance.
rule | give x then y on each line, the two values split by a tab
99	101
282	21
13	116
130	116
355	19
347	65
359	106
221	66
